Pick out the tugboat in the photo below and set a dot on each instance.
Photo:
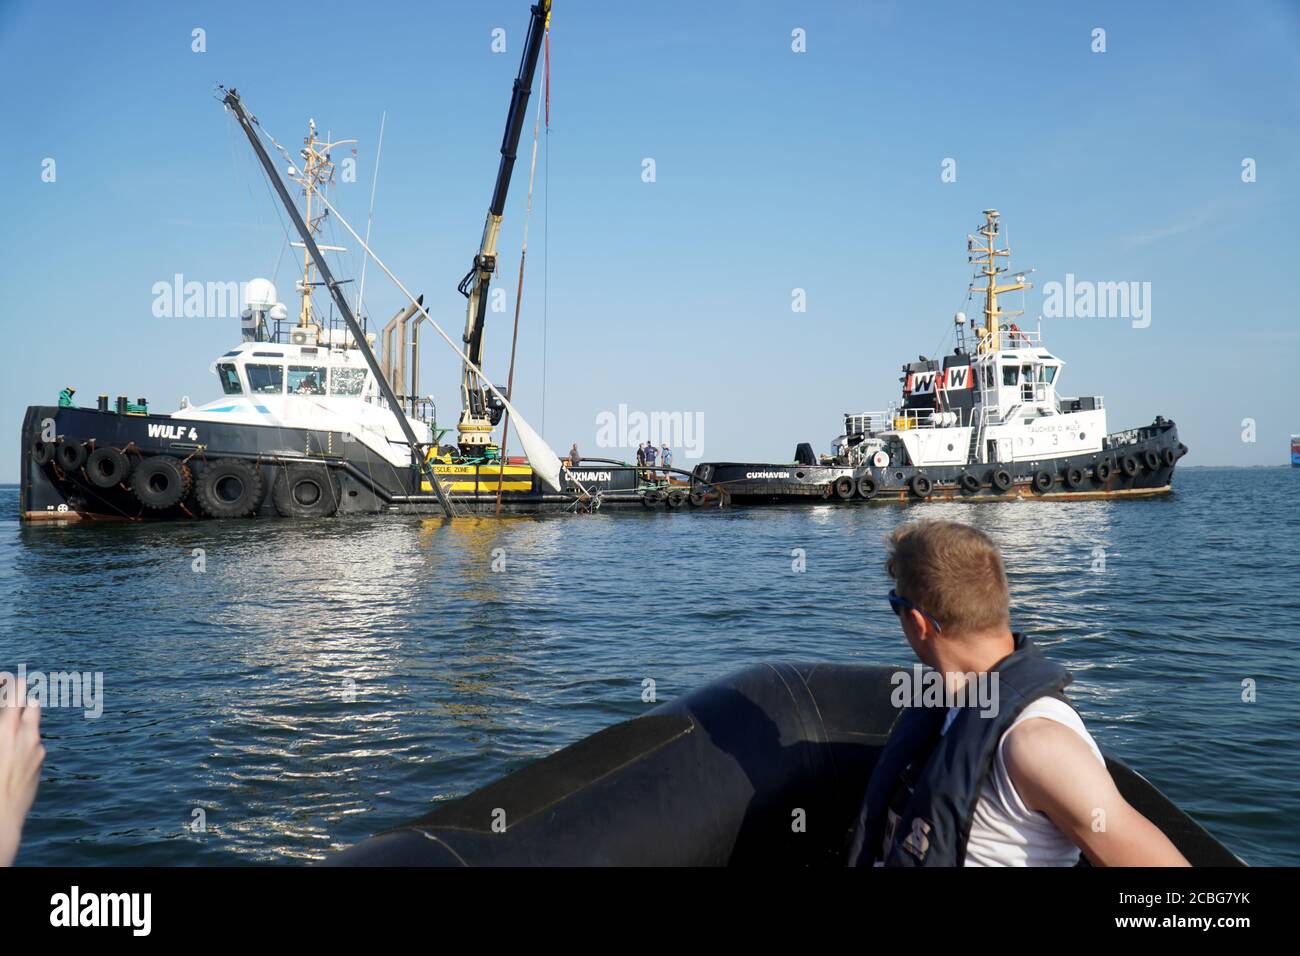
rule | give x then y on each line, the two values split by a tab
986	421
309	423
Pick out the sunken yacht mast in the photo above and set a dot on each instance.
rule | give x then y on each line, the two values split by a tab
987	422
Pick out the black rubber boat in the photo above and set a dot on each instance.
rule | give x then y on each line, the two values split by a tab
714	778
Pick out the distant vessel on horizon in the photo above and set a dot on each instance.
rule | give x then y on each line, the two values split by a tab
1295	451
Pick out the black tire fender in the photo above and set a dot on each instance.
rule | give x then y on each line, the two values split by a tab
160	481
921	485
969	482
70	455
306	491
107	467
1043	482
845	487
1000	480
229	488
42	452
866	487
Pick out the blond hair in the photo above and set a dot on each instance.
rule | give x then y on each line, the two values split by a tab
953	572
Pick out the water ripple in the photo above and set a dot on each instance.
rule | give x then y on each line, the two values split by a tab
320	681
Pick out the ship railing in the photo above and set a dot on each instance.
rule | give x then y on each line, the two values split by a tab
866	423
1009	338
905	419
1130	436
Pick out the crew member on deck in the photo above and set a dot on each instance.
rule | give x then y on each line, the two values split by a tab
1002	772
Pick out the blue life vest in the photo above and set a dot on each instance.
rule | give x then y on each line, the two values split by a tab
921	798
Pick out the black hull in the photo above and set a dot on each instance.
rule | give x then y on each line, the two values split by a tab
707	780
368	483
756	483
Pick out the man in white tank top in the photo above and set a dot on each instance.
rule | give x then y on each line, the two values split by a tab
1048	795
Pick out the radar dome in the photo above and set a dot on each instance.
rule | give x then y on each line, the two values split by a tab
960	318
259	294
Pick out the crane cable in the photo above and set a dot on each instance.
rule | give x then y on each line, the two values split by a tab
523	256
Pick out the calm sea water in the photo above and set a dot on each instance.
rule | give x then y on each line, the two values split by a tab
320	681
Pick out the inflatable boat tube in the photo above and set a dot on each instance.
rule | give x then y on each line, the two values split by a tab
718	777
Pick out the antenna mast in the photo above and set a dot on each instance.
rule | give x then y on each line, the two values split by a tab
986	257
317	172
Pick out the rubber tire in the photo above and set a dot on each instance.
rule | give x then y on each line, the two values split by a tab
1000	480
866	487
698	499
1151	460
1074	477
209	487
675	499
845	487
920	485
70	455
1169	456
118	467
1129	466
969	482
42	452
1043	482
290	481
172	472
1102	471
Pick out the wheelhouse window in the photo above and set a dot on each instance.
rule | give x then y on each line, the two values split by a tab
347	381
1027	383
1010	375
229	376
265	379
306	380
1050	372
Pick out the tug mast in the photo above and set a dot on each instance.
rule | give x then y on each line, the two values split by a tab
986	258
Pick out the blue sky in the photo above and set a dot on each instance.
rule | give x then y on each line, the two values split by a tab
774	171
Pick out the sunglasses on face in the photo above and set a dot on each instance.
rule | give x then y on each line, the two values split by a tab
900	603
